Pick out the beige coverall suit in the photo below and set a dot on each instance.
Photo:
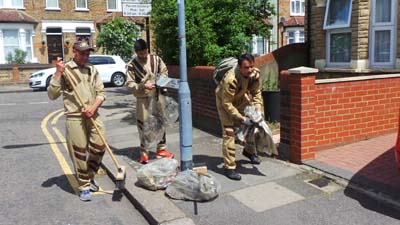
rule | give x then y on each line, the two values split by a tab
231	102
138	74
85	147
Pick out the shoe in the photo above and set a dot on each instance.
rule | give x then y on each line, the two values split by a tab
232	174
94	187
253	157
164	154
85	195
144	158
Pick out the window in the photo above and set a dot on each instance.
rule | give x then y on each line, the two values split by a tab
11	42
52	4
28	45
83	33
337	14
112	5
295	35
260	45
297	7
339	47
81	4
100	60
11	4
383	33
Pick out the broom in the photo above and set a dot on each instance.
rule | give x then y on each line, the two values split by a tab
121	170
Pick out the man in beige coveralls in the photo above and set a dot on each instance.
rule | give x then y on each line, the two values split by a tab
142	73
85	147
239	88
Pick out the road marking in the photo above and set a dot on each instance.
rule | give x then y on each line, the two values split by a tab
36	103
55	119
59	156
8	104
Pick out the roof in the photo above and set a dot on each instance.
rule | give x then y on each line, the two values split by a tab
111	16
16	16
294	21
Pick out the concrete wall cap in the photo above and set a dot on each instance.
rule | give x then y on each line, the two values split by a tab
302	70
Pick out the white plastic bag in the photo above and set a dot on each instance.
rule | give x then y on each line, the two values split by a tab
189	185
158	174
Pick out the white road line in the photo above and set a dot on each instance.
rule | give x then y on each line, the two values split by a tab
35	103
7	104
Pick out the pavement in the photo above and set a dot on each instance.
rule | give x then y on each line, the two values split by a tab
275	187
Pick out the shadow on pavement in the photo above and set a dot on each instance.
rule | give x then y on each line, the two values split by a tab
27	145
379	176
61	181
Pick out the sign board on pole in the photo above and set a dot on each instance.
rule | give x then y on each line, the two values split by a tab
140	8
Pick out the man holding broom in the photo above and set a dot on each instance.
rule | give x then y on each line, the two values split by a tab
84	143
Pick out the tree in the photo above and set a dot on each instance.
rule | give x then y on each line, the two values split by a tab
117	37
215	29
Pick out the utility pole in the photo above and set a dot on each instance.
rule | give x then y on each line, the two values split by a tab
185	102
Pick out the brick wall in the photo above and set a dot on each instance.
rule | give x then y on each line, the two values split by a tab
331	112
19	74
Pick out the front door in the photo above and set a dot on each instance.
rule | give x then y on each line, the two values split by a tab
54	47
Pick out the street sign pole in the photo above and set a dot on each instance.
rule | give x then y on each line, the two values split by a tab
185	102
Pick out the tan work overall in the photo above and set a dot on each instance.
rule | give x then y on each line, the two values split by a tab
231	102
138	74
84	144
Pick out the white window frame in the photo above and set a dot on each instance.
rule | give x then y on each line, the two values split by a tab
29	30
293	10
296	31
117	5
52	7
81	9
383	26
326	27
328	48
8	4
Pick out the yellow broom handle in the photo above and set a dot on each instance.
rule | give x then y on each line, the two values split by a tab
67	72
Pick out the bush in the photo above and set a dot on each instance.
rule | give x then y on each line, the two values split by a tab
18	56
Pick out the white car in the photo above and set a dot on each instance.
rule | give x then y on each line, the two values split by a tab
111	69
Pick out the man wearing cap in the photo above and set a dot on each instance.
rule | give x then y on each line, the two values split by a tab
142	72
239	88
85	147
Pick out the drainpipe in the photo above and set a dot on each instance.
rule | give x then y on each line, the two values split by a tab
308	32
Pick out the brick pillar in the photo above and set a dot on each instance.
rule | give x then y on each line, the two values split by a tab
15	73
302	113
284	145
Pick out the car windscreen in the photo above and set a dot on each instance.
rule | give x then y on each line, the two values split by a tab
95	60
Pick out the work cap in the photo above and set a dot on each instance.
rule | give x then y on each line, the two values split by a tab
82	46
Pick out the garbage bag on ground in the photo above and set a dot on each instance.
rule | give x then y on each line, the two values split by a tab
158	174
165	108
189	185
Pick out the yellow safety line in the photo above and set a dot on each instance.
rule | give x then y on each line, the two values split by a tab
55	119
59	156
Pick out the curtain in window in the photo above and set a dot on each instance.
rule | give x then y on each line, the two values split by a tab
1	3
340	47
52	3
10	38
28	46
338	13
382	46
17	3
111	4
81	4
383	11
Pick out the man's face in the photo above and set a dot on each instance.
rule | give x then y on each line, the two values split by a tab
81	57
246	68
142	55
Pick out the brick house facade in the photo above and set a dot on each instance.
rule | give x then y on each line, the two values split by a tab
290	21
359	35
47	29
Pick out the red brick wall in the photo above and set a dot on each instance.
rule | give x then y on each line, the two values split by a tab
327	113
352	111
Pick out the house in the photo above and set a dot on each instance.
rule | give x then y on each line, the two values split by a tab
358	35
47	29
287	27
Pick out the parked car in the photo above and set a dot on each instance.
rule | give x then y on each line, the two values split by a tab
111	69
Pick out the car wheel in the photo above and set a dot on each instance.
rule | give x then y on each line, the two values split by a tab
48	82
118	79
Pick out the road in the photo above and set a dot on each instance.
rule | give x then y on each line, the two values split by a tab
37	184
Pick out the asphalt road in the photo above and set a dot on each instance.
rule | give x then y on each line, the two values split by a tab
37	185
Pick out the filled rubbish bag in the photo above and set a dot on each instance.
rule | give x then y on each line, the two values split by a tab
165	108
158	174
189	185
153	132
